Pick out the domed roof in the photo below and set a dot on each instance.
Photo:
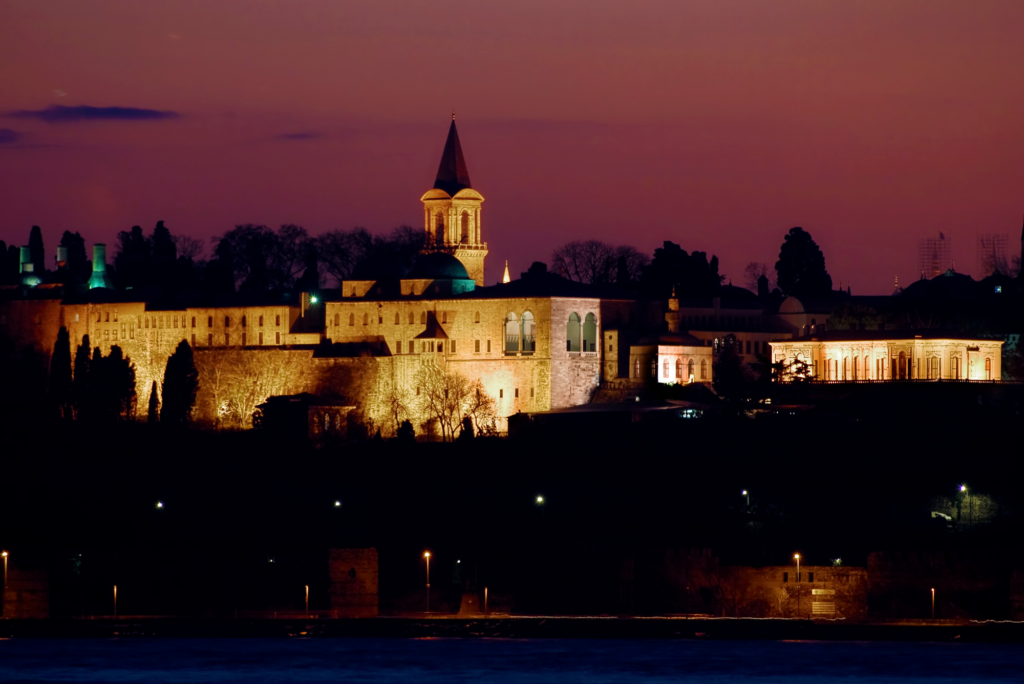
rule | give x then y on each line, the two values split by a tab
438	266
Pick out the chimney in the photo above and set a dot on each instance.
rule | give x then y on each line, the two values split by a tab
99	276
26	261
62	258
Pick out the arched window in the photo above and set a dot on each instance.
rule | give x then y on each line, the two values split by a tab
337	319
193	321
590	333
444	317
903	366
465	227
529	337
244	322
867	368
511	334
398	318
366	319
846	368
689	370
261	322
277	321
209	322
664	369
476	317
572	333
955	367
412	318
703	369
227	321
654	367
351	319
423	318
679	369
856	367
439	228
636	368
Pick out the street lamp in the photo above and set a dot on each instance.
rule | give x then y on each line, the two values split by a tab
540	500
159	504
337	504
746	495
4	554
933	603
307	600
797	557
426	554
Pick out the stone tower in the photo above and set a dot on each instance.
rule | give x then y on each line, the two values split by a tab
451	211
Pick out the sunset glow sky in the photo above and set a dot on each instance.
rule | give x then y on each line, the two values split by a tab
716	124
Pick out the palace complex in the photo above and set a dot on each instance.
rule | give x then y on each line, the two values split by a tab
536	343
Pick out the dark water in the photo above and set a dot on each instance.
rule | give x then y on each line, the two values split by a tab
456	660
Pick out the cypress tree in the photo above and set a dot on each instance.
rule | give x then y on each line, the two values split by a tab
38	251
80	383
181	384
154	405
60	374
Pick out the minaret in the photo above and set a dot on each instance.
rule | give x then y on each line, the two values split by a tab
506	278
451	211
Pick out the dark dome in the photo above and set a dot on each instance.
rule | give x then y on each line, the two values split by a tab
438	266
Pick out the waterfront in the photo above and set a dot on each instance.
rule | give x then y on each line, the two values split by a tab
501	660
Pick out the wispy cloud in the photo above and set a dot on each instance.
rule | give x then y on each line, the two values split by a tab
62	114
299	136
9	137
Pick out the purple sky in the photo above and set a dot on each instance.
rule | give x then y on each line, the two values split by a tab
716	124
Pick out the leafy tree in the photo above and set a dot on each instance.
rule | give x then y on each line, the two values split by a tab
60	374
80	382
37	250
78	260
342	253
111	393
153	415
801	267
689	274
181	384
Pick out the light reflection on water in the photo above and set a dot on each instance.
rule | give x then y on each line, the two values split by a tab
502	660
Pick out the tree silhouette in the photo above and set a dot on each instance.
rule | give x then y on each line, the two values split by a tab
38	250
80	382
153	416
690	274
801	267
78	260
181	384
60	374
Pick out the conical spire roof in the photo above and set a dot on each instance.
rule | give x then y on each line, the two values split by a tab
452	174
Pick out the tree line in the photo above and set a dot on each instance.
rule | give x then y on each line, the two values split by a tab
800	270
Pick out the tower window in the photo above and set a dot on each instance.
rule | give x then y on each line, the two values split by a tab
465	227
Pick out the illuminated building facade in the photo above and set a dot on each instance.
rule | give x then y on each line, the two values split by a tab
855	356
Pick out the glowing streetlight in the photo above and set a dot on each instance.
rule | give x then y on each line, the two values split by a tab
540	500
797	557
115	600
5	554
746	495
426	554
159	505
337	504
933	603
313	299
307	600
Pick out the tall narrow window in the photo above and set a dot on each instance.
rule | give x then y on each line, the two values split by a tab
476	317
636	368
337	319
444	317
464	237
476	346
227	321
689	370
244	321
423	318
529	333
511	334
988	369
366	319
412	318
664	369
193	321
590	333
703	369
398	318
411	347
261	321
351	319
572	333
277	320
209	322
679	369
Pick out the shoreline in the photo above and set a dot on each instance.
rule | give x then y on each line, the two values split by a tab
510	628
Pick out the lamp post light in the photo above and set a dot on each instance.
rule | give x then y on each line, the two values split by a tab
115	600
933	603
5	554
426	554
746	495
797	557
307	600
